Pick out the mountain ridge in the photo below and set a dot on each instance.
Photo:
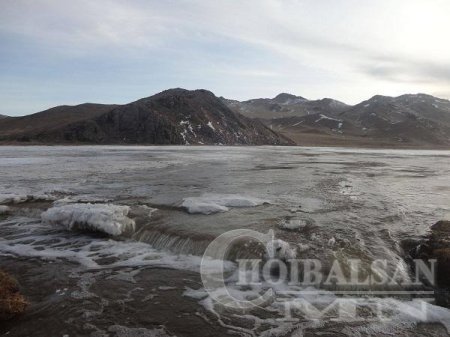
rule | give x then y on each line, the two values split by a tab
284	105
174	116
405	120
180	116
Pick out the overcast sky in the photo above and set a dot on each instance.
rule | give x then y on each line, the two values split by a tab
110	51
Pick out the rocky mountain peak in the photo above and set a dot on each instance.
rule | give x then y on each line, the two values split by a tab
285	98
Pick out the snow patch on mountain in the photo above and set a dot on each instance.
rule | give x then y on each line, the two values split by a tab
326	117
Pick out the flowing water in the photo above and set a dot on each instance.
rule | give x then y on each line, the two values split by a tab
327	203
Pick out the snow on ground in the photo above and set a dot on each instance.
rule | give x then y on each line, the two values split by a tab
107	218
211	126
326	117
213	203
4	210
187	128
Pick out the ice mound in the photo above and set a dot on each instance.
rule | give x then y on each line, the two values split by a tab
107	218
280	250
293	224
213	203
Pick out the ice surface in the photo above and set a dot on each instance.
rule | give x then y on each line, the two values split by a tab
107	218
213	203
162	175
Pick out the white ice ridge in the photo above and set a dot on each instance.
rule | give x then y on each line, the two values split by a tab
107	218
12	198
209	203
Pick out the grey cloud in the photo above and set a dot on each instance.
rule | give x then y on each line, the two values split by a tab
397	69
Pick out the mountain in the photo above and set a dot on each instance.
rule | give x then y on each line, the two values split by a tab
35	126
179	116
409	120
175	116
285	105
419	118
3	116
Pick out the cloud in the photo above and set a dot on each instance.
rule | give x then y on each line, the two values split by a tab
348	50
403	70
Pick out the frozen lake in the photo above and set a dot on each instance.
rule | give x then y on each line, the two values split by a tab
161	206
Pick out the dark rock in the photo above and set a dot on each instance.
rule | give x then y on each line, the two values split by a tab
441	227
437	246
12	303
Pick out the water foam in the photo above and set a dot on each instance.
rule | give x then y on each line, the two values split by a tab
31	238
399	316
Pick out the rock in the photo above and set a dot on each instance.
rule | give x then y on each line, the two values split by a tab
442	226
12	303
437	246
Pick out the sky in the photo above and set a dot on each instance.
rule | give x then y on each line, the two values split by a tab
55	52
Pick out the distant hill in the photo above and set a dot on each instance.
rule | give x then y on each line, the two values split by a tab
174	116
3	116
409	120
35	126
285	105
